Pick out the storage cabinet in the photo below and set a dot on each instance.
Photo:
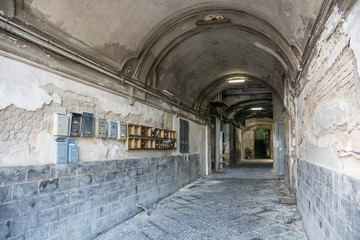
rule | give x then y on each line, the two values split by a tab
149	138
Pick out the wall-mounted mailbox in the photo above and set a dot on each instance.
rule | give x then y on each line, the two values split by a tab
61	149
101	128
75	124
113	129
122	131
61	122
73	151
87	125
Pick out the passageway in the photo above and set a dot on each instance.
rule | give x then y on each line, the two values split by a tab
106	104
238	204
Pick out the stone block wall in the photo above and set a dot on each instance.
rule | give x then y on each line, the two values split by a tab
328	201
81	200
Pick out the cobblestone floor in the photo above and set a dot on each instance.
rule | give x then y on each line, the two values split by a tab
236	204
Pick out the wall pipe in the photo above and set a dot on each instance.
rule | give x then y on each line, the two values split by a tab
144	208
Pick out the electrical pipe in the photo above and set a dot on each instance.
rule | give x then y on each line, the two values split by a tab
144	208
345	153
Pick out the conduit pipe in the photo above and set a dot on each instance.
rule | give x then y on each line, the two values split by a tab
344	153
144	208
33	37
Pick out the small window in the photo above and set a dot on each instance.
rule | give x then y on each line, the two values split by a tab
184	136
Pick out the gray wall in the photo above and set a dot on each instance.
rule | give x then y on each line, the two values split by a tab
287	171
328	202
81	200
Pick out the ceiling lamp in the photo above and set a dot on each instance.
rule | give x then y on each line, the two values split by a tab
168	93
256	109
236	80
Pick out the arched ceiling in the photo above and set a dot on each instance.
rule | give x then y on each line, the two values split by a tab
158	43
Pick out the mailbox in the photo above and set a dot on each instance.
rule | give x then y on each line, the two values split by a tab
122	131
61	149
87	125
113	129
61	122
101	128
73	151
75	124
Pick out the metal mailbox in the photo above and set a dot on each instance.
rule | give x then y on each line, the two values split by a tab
73	151
61	149
75	124
61	122
101	128
87	125
122	131
113	129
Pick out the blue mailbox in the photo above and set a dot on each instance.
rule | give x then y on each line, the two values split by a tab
73	151
61	149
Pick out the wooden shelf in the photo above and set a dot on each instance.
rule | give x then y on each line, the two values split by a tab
149	138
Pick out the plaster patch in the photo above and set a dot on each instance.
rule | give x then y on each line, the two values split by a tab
352	29
269	50
44	146
331	23
21	89
329	115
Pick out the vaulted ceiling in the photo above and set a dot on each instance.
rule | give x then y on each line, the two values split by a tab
188	48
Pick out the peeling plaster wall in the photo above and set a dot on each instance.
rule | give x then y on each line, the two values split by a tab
329	106
327	112
27	100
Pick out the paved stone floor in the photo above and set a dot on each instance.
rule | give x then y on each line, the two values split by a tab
239	204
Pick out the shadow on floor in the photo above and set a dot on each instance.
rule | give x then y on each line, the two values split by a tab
255	163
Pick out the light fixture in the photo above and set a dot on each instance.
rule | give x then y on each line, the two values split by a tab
256	109
236	80
168	93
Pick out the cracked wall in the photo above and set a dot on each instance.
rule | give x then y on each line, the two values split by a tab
324	114
26	116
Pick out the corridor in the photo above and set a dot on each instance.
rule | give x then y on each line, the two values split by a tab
238	204
107	104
